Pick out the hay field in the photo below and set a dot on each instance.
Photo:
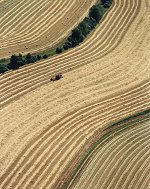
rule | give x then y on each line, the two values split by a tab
121	162
46	127
33	25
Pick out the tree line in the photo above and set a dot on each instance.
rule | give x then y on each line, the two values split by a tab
20	60
86	26
77	36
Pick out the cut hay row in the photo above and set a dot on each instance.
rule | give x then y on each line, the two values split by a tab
39	75
116	141
66	130
120	162
44	130
142	148
84	45
31	25
43	18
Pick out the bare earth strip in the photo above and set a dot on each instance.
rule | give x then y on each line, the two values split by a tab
33	25
44	131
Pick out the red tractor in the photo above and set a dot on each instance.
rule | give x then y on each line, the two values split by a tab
57	77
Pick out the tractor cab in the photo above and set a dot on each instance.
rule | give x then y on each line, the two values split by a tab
57	77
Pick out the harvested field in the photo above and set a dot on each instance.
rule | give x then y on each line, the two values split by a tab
34	25
123	161
46	126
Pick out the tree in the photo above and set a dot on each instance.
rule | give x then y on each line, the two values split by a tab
16	61
95	13
91	23
82	37
21	60
74	42
45	56
3	68
76	33
39	57
33	59
105	1
20	55
106	5
14	64
67	45
84	27
58	50
30	59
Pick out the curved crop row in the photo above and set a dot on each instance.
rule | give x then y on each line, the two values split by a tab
105	79
30	26
121	162
42	149
40	74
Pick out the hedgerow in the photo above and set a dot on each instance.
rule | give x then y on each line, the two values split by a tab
77	36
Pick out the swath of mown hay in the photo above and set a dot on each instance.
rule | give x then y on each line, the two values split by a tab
45	125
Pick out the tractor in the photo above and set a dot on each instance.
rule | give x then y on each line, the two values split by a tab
57	77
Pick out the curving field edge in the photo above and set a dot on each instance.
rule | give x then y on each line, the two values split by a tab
100	138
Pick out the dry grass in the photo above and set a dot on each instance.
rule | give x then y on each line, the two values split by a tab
44	125
35	25
122	162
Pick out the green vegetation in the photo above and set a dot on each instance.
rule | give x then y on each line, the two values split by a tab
3	68
87	25
45	56
114	130
77	36
58	50
129	118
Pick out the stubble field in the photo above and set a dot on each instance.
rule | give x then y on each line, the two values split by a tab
46	127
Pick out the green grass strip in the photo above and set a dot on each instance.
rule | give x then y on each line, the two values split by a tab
103	139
